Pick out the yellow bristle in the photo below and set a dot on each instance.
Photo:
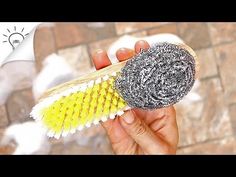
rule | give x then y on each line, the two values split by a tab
104	85
109	96
114	101
96	87
101	99
83	107
67	124
113	108
103	92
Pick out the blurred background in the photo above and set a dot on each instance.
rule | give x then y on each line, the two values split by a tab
206	117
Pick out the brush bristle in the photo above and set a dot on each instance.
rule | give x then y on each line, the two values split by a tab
158	77
92	102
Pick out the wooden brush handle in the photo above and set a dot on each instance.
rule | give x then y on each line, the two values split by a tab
102	72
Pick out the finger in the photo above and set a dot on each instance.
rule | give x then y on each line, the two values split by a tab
142	44
150	116
100	59
143	135
121	142
168	128
162	122
169	132
114	130
119	139
124	53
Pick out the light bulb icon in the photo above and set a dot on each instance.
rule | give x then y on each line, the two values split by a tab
15	38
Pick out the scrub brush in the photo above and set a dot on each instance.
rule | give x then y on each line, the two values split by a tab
156	78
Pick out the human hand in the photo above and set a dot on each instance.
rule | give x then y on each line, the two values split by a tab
139	131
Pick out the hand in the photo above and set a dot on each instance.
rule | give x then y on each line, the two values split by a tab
139	131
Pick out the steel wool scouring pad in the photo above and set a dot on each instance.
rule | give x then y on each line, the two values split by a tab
158	77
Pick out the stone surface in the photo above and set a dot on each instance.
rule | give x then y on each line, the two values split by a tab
5	148
44	45
78	58
128	27
53	141
205	119
222	32
67	34
17	75
70	149
73	149
3	116
222	146
206	126
194	34
88	141
139	34
167	28
227	64
207	63
101	30
102	44
57	149
70	34
19	105
106	43
2	130
232	113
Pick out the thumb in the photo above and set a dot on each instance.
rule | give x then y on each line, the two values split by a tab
142	134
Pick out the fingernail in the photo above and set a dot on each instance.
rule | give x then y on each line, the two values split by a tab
99	51
128	117
124	54
141	45
100	59
96	54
